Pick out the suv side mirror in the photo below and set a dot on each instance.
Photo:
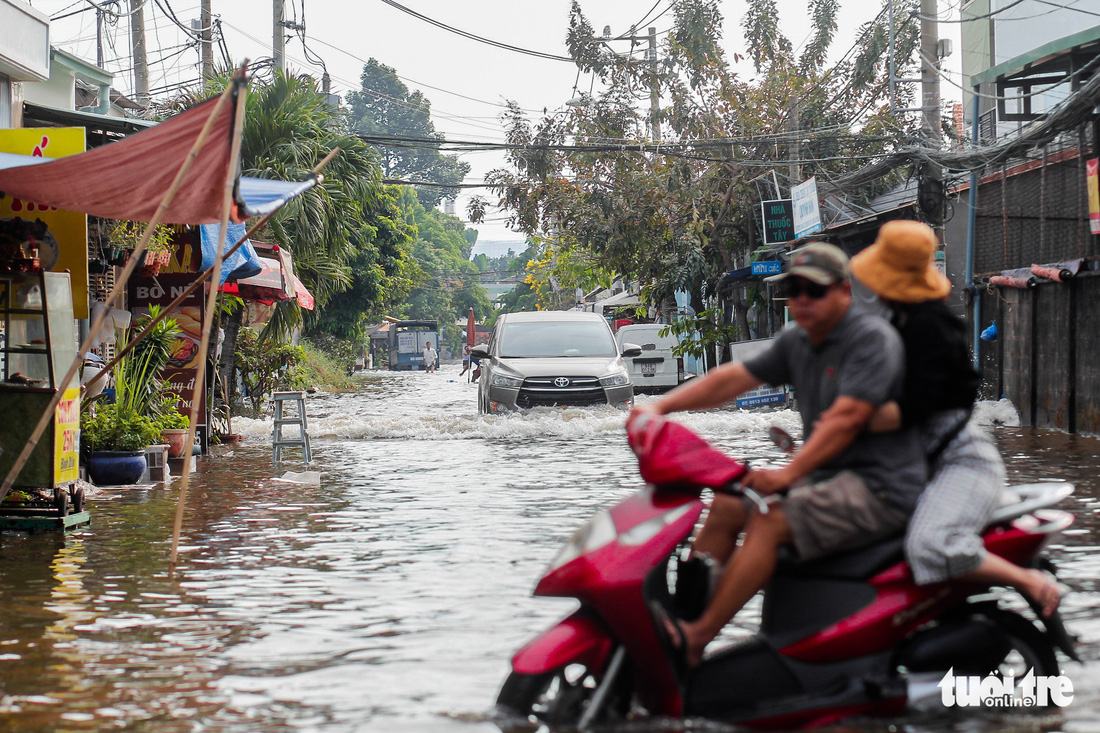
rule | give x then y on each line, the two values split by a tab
479	352
631	350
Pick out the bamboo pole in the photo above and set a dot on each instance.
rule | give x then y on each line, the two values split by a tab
208	319
203	277
97	323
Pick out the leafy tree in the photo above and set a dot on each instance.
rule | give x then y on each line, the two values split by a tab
446	284
679	217
347	235
384	106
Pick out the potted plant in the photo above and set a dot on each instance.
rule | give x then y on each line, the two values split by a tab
116	435
173	428
158	250
116	441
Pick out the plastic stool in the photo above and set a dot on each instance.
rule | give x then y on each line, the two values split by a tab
298	399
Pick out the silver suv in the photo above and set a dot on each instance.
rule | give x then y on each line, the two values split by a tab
552	358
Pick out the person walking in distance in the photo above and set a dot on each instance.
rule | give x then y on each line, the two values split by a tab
430	357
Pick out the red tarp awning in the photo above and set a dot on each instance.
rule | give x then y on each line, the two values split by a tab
128	178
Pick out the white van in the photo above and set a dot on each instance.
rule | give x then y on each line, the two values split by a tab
657	369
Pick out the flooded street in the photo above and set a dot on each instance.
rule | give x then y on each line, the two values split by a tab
390	598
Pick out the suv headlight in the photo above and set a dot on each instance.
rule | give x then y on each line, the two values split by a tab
499	380
618	379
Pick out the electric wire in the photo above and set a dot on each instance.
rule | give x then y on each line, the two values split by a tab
480	39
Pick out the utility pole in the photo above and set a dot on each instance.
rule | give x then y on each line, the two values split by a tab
99	37
654	88
930	112
278	34
137	41
795	147
207	35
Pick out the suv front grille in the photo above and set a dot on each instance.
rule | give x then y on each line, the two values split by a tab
543	392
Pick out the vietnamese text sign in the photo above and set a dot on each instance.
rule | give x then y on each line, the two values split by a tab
806	211
778	221
762	395
767	267
69	229
183	366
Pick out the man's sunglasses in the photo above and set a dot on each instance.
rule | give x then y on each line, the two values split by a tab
812	290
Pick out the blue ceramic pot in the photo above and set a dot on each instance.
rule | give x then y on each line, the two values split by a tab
114	468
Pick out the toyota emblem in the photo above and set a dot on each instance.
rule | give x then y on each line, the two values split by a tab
561	382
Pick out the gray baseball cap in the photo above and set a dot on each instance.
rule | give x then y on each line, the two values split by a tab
819	262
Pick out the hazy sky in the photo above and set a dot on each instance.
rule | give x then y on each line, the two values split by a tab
467	81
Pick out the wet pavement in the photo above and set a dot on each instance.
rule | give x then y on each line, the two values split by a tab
391	597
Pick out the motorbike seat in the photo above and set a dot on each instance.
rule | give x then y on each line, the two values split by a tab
859	563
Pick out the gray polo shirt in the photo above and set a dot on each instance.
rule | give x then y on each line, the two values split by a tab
862	358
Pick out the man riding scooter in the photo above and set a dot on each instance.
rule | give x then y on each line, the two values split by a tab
845	487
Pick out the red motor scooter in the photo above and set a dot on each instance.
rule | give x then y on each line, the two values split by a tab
850	634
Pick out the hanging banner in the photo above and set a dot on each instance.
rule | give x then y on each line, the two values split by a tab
62	236
807	211
1092	170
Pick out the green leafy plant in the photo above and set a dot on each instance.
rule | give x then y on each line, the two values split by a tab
171	418
265	366
111	428
126	234
133	420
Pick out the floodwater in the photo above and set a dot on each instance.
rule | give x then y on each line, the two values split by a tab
391	597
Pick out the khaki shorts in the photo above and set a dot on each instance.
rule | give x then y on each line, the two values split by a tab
838	514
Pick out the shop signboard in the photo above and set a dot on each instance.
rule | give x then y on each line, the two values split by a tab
63	246
767	267
778	220
764	394
806	210
66	450
182	369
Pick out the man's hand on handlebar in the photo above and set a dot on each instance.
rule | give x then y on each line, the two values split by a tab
648	409
768	480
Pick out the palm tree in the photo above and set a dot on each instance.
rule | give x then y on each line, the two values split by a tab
349	218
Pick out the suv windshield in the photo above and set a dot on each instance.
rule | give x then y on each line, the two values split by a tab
556	338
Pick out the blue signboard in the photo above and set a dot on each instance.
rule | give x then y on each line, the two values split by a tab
762	395
767	267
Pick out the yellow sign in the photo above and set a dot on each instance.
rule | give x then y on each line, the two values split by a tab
66	444
1092	171
69	229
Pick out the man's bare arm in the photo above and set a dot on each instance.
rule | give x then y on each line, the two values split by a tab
717	388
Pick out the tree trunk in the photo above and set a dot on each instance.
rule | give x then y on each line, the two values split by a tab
227	366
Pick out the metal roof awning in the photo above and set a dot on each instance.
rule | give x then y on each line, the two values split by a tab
47	116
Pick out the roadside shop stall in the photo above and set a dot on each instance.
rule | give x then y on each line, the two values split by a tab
37	345
183	171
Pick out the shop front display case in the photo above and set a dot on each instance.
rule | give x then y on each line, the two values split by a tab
37	347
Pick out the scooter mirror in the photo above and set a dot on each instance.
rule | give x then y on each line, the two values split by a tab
782	439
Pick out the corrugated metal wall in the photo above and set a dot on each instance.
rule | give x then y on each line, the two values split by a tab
1047	357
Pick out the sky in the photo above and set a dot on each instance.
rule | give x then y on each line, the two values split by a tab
467	81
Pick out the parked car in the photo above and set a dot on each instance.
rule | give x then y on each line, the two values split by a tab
657	369
552	358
